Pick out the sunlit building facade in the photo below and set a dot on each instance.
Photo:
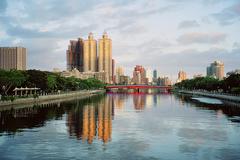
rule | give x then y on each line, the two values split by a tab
90	54
139	75
181	76
216	69
105	56
13	58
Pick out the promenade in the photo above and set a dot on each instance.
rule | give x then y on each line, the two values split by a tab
51	97
223	96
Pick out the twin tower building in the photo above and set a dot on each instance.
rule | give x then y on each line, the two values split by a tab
90	56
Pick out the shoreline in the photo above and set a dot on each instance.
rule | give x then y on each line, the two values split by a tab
212	95
50	98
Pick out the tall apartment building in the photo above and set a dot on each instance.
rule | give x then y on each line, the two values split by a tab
90	54
181	76
216	69
75	55
105	55
83	55
13	58
139	75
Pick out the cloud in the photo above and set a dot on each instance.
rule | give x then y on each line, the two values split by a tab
3	6
188	24
228	15
201	38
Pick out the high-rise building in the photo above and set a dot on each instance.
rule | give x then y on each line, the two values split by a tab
113	70
181	76
75	55
216	69
90	54
105	55
13	58
149	75
119	73
154	74
139	75
164	81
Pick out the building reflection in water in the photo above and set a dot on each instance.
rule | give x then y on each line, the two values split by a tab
139	101
92	121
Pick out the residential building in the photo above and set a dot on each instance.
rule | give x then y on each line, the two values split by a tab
13	58
75	55
139	75
181	76
216	69
90	54
105	56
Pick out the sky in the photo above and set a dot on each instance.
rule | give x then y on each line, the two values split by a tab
167	35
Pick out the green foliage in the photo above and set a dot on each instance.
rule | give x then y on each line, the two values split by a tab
231	84
46	81
52	82
8	98
36	78
10	79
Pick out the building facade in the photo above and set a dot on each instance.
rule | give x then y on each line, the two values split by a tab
139	75
75	55
90	54
181	76
164	81
216	69
105	56
13	58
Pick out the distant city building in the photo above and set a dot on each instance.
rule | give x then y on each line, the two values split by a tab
237	71
75	55
102	76
181	76
139	75
164	81
149	75
124	80
83	55
155	76
105	56
90	54
119	72
113	70
13	58
216	69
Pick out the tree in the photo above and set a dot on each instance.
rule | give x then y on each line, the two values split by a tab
10	79
36	78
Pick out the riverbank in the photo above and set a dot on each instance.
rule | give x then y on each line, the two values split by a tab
212	95
55	97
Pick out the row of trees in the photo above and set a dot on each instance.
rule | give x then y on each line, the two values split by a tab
46	81
230	84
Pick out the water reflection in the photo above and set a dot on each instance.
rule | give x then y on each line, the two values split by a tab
84	117
227	108
92	120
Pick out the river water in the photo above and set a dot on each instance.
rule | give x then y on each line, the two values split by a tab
122	126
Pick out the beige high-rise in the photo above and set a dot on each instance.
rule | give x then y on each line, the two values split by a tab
90	54
105	56
13	58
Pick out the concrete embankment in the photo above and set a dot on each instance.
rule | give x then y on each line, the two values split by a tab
212	95
50	98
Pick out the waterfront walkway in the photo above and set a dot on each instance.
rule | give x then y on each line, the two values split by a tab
48	97
223	96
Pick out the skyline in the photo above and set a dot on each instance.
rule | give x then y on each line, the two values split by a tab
169	34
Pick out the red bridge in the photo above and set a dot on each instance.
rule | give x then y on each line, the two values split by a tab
138	87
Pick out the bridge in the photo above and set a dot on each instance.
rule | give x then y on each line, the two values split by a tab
138	87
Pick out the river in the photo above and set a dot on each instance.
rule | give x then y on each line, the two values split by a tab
122	126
